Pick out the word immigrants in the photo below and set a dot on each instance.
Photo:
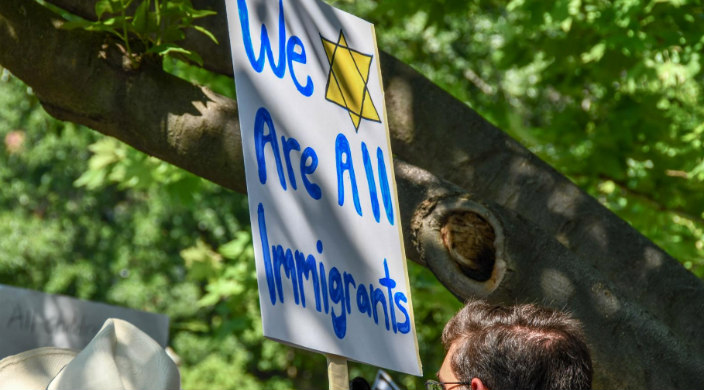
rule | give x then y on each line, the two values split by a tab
336	293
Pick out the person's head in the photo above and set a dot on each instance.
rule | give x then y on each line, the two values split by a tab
515	347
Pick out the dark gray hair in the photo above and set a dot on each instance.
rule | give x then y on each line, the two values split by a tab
518	347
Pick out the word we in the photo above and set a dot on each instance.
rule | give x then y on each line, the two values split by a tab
291	49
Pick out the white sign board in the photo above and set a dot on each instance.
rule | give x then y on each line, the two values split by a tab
325	220
32	319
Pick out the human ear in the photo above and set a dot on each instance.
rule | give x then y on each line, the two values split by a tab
477	384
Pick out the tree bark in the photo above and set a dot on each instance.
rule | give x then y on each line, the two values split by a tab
630	347
551	242
431	129
80	77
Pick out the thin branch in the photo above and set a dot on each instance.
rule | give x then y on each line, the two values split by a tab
650	200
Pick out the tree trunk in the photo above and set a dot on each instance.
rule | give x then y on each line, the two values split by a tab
483	213
456	234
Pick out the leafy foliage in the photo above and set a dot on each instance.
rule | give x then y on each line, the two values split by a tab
87	216
158	26
610	93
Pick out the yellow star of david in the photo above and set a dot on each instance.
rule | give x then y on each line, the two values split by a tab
347	80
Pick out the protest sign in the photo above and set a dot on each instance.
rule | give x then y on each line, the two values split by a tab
32	319
325	221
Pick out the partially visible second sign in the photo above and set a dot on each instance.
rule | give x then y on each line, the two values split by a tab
31	319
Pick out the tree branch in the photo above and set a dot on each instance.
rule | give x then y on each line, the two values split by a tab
651	201
78	76
528	265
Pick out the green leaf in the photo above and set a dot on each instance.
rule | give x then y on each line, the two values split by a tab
165	49
75	24
106	145
91	179
595	54
172	32
698	172
102	7
233	249
115	21
141	18
207	33
201	13
171	49
102	161
193	57
201	261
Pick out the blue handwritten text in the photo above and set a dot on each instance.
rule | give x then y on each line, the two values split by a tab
334	290
308	160
292	49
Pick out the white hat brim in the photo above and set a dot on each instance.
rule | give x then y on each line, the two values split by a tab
120	356
33	369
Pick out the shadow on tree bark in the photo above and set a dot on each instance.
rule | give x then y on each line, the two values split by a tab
484	214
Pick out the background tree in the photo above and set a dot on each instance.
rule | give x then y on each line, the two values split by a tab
608	93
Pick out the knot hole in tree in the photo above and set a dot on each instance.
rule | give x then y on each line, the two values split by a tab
469	239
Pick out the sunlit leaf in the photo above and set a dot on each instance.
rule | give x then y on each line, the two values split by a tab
206	32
